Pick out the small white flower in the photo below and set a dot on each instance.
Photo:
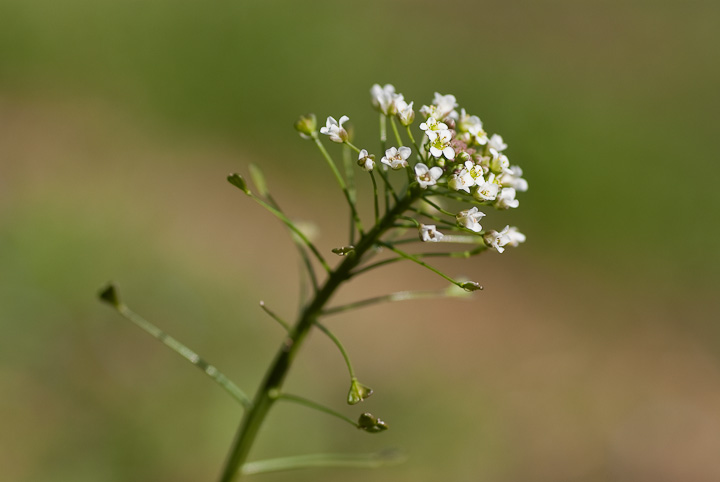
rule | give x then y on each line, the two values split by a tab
496	142
488	190
516	237
470	219
396	158
471	126
467	177
506	199
497	240
366	161
405	113
335	130
445	106
385	99
440	146
433	127
429	234
513	178
499	163
427	177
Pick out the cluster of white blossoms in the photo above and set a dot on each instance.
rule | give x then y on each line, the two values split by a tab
456	158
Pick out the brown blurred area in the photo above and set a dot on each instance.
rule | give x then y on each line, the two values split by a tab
592	354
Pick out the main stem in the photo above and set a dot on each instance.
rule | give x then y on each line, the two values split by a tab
269	390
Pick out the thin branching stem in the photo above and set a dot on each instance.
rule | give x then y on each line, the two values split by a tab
398	296
420	262
316	406
185	352
281	216
339	345
375	197
340	181
358	461
277	372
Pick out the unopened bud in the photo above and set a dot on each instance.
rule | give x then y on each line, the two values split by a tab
471	286
109	295
237	181
306	125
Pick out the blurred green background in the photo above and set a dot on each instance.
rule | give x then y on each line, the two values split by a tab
593	354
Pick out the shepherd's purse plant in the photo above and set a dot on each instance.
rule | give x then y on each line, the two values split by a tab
433	191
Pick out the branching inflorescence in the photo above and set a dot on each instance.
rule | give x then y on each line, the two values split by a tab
456	162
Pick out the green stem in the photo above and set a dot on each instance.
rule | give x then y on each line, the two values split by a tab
316	406
361	461
375	197
340	347
397	133
340	181
399	296
414	259
412	139
279	368
185	352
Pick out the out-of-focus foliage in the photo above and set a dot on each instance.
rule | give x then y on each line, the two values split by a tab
591	355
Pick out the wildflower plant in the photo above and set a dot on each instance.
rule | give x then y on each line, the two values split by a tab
455	163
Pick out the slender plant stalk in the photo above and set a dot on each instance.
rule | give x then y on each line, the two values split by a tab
274	378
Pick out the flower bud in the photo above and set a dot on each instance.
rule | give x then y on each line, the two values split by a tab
237	181
471	286
110	295
306	125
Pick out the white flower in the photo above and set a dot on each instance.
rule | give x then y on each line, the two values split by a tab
470	219
496	142
512	177
499	163
488	190
335	130
440	146
506	199
467	177
385	99
445	106
405	113
366	161
507	237
471	126
427	177
396	158
516	237
429	234
433	127
497	240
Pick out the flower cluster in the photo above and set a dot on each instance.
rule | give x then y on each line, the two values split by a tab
456	159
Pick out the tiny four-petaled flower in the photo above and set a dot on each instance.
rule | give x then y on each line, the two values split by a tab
430	234
335	129
366	161
396	158
509	236
427	176
470	219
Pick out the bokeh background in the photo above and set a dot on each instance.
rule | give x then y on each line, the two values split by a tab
593	354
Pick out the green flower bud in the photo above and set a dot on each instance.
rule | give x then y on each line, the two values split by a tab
306	125
237	181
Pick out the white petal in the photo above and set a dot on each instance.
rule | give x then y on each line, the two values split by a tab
435	172
448	152
405	152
